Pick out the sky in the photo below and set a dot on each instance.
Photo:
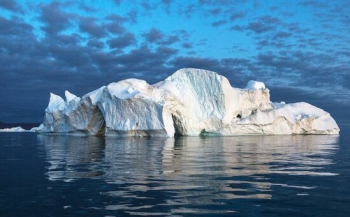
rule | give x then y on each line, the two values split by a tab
300	49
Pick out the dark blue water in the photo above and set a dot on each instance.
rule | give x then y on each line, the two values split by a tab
236	176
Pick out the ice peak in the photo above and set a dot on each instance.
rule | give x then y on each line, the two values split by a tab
56	103
69	96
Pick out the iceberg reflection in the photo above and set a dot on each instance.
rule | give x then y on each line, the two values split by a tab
72	157
190	170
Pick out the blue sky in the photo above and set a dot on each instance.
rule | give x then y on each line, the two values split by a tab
298	48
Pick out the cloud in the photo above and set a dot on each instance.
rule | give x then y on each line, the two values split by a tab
153	35
95	43
115	24
237	15
233	62
88	25
186	10
54	18
148	7
170	39
156	36
303	69
166	2
144	56
346	81
187	45
83	6
260	27
132	16
264	24
218	23
215	11
10	27
313	4
117	2
237	28
122	41
167	51
215	2
167	5
282	34
11	5
204	2
145	63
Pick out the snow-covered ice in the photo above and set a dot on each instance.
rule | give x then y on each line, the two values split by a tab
190	102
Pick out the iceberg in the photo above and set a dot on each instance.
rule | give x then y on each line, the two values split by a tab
20	129
190	102
14	129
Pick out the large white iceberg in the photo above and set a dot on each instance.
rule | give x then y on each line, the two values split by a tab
190	102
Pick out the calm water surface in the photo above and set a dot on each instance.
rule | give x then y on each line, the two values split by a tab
45	175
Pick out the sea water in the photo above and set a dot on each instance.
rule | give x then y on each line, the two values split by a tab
289	175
